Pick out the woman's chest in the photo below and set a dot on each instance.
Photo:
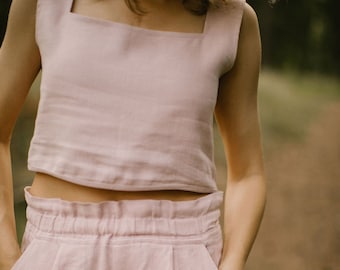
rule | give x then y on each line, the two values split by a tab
172	16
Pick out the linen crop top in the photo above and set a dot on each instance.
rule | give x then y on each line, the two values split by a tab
127	108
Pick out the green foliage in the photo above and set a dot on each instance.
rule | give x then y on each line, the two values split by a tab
4	7
289	102
20	217
300	35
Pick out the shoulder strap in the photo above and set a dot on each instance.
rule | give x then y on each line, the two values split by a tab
49	17
222	31
54	8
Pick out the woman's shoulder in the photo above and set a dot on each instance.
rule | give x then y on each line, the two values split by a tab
237	7
238	14
249	16
22	15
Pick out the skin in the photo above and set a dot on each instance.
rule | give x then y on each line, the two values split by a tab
236	114
19	65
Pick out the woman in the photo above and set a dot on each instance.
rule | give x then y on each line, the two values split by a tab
122	147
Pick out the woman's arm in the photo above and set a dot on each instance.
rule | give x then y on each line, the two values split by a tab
237	116
19	65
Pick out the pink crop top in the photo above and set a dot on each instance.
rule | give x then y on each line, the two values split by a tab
127	108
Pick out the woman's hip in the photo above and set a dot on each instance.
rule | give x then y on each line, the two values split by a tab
137	234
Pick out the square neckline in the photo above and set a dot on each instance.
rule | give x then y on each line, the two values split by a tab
149	31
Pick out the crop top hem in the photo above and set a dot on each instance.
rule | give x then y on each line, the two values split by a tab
122	187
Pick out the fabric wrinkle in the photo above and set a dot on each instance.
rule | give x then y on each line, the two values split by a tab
155	119
161	234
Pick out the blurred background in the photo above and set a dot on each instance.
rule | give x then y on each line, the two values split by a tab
299	95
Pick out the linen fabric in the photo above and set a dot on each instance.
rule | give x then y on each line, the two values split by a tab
122	235
127	108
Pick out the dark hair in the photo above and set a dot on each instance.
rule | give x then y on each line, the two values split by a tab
197	7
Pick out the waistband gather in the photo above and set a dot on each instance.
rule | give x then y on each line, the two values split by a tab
125	217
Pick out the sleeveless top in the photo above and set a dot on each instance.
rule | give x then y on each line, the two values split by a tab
127	108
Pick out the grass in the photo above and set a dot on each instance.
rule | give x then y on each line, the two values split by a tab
290	102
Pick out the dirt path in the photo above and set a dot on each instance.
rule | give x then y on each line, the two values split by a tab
301	227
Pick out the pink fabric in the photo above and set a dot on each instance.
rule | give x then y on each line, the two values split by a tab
122	235
128	108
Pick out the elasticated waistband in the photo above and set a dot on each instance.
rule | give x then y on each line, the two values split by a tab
125	217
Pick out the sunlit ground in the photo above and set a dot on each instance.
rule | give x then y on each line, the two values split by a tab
301	130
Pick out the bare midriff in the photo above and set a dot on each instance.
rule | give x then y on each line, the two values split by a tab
47	186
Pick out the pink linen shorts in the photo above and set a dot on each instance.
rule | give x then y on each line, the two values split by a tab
122	235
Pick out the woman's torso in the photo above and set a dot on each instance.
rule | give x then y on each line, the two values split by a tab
139	124
169	17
